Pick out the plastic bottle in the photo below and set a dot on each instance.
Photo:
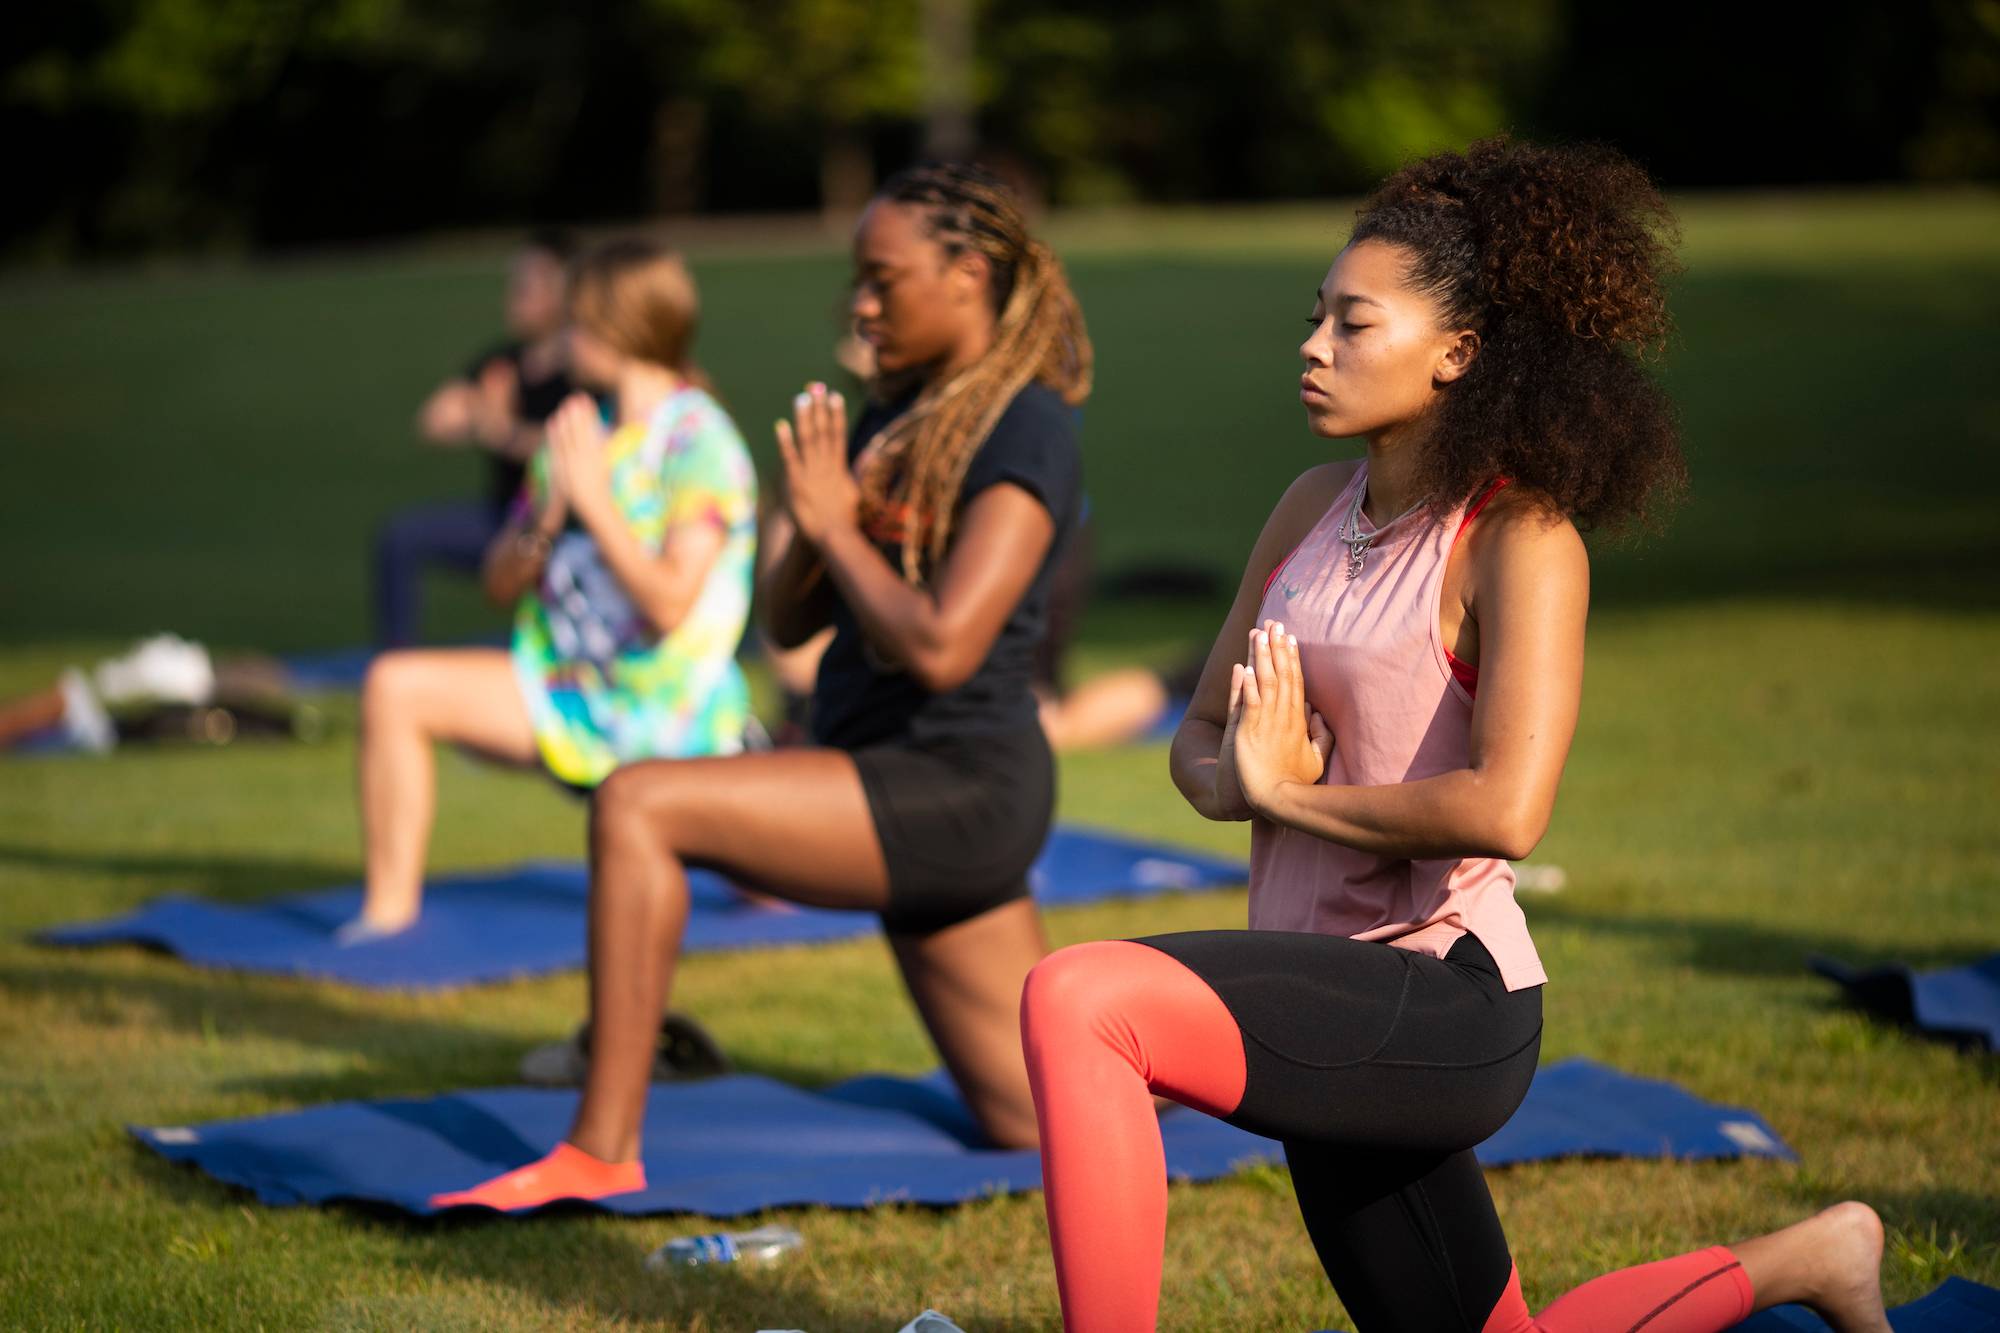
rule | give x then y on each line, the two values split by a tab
726	1247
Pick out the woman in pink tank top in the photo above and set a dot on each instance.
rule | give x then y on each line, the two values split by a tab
1390	705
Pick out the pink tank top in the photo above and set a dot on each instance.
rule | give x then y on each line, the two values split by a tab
1378	672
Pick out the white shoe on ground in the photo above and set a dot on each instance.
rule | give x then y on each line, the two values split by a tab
166	668
84	719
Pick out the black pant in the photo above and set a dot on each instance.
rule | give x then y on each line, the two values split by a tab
1379	1070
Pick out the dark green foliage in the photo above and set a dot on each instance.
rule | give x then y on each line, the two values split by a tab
140	125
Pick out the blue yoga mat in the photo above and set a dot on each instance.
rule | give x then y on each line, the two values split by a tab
742	1143
528	919
333	669
1169	721
345	668
1958	1306
1960	1004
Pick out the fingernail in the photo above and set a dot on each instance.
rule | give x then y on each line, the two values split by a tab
803	400
1278	628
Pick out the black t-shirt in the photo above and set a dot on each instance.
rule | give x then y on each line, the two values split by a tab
862	701
536	402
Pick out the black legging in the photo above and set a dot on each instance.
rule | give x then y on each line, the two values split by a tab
1379	1069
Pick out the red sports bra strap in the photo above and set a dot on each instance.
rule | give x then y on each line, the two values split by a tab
1465	673
1478	505
1272	577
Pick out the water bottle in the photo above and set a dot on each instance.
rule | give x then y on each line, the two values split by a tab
726	1247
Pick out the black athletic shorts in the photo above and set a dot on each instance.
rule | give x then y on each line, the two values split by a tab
960	819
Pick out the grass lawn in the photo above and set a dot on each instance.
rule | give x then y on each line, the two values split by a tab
1790	743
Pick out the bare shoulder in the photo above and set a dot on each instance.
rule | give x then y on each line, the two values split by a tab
1521	532
1307	498
1304	502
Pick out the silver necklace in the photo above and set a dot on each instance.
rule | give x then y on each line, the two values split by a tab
1357	541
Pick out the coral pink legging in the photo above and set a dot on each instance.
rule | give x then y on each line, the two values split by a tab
1357	1056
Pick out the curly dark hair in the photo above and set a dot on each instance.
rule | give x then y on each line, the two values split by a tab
1557	257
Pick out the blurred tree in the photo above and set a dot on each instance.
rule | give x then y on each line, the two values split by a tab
819	69
137	124
1253	98
1959	136
1719	93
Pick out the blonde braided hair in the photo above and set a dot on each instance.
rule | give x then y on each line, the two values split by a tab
917	464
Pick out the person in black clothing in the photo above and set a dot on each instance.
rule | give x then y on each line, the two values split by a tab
928	538
496	406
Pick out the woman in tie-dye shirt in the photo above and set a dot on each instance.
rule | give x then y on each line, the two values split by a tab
629	560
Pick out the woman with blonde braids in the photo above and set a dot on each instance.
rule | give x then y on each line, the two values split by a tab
927	537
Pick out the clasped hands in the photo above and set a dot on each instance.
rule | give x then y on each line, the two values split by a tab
820	490
1273	737
579	471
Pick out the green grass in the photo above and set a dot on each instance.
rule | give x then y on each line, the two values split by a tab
1790	743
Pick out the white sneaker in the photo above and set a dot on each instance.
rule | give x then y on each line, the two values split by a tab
166	668
84	719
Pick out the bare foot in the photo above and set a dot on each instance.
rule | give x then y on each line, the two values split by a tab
1832	1262
365	929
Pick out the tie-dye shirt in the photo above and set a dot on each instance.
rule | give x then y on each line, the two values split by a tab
602	687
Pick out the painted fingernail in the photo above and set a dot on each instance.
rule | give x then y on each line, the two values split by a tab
802	401
1278	628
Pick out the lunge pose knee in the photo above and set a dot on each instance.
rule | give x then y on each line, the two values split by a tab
1390	702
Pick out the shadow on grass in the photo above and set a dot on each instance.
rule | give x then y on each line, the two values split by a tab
404	1051
232	878
579	1260
603	1274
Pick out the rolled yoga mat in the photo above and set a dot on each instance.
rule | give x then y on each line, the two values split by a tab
1957	1004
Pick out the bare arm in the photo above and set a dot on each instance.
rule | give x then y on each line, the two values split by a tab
1201	768
665	586
794	596
447	415
482	411
514	559
1530	579
942	633
939	633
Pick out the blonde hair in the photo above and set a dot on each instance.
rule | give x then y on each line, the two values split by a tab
920	459
638	296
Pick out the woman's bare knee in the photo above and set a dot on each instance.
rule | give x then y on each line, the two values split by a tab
386	689
632	810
